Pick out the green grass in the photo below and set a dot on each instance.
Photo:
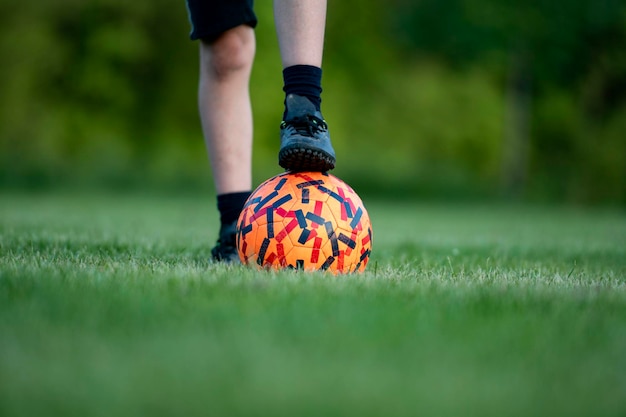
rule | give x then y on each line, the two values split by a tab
109	307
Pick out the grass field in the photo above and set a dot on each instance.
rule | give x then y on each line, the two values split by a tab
109	307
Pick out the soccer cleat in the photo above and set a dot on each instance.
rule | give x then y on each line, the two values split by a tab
304	138
226	248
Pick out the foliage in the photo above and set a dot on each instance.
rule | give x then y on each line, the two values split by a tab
104	92
572	56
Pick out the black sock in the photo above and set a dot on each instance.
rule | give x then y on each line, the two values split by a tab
304	80
230	205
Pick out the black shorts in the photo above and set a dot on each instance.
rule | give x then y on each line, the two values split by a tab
211	18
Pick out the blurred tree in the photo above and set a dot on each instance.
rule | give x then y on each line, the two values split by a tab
445	97
539	47
92	88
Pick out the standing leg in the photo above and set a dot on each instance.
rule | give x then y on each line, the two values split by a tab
225	29
225	110
226	116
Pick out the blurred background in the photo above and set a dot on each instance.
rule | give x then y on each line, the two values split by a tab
432	99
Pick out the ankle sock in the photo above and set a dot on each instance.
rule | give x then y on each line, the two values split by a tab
304	80
230	205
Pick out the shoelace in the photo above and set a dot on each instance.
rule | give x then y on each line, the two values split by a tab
307	125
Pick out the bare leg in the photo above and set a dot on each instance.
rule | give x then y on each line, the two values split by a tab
300	25
225	110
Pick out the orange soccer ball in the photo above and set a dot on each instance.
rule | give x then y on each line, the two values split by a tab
305	220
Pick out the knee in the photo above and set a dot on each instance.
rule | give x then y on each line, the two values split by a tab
230	53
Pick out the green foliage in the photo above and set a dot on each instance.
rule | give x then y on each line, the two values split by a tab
416	95
573	60
94	89
108	306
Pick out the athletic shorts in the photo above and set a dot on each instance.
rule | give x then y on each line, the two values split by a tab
211	18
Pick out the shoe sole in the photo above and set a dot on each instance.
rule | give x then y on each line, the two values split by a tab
303	159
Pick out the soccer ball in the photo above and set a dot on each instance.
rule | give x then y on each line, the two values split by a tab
305	220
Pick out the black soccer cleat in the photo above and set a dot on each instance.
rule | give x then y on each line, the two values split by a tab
226	248
304	138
